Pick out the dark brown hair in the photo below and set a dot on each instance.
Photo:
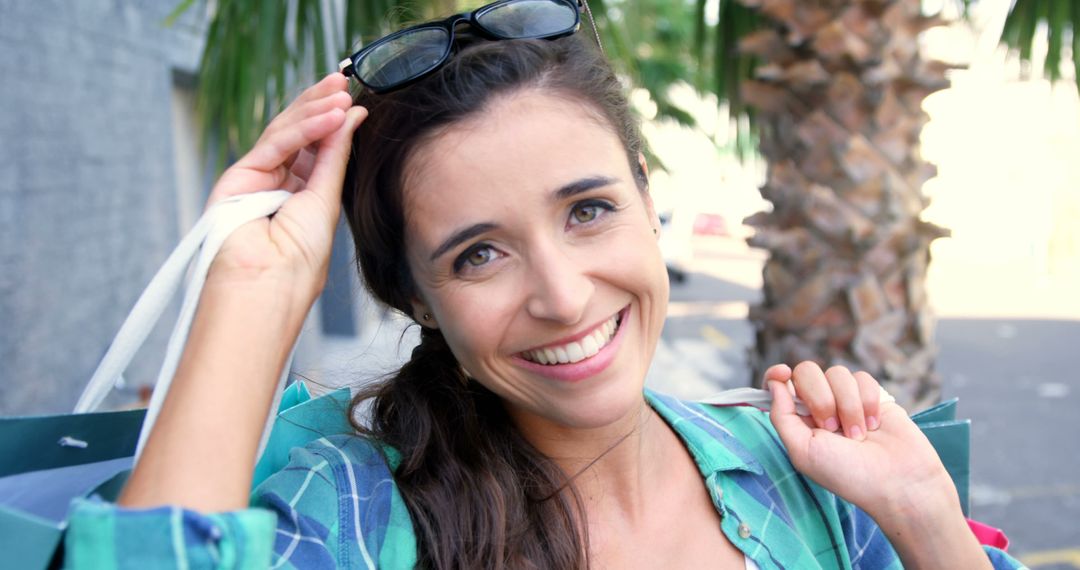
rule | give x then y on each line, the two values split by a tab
479	494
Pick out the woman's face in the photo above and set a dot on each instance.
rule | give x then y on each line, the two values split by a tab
534	251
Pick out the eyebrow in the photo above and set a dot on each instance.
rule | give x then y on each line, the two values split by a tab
462	236
567	191
583	185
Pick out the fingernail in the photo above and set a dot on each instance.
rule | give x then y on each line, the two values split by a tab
872	423
831	424
856	433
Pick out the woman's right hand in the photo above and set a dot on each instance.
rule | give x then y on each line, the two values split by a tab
303	150
202	450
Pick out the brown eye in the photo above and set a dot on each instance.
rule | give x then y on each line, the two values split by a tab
585	214
479	257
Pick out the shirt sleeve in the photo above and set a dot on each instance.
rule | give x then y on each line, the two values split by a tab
333	506
102	536
868	547
305	497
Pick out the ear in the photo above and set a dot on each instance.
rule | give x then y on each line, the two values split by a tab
644	167
654	219
421	313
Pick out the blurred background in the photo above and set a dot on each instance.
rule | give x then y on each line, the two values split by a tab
886	184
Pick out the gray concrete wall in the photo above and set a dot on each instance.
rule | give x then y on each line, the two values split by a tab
88	193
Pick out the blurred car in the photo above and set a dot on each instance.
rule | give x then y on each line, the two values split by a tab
711	225
675	249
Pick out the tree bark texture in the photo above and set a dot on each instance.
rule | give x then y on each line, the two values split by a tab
838	93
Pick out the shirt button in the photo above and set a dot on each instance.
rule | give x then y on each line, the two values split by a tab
744	530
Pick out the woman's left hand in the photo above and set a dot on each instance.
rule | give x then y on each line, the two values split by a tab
868	452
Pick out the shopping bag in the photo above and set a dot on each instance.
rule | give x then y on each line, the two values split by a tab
47	461
951	439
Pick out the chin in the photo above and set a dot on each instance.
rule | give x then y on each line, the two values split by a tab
607	404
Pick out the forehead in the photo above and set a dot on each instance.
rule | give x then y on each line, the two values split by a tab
518	150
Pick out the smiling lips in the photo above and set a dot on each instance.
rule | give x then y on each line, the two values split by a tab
578	350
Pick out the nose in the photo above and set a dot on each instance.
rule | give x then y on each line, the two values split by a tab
559	288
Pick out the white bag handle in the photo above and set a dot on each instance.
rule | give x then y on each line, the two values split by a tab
763	399
201	243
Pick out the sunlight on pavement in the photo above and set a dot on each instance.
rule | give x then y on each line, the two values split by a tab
1035	560
715	337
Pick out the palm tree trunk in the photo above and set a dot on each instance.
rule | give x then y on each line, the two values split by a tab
838	95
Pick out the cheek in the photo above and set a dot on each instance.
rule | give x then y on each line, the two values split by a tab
475	324
638	258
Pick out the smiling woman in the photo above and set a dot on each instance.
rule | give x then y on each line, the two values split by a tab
498	195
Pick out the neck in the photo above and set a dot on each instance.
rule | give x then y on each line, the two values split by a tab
616	469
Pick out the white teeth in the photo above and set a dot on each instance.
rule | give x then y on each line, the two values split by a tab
588	344
587	347
574	351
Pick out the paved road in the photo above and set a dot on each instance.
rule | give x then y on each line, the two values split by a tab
1015	379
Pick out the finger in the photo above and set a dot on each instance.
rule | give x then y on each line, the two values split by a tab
298	112
303	161
328	173
326	86
778	373
789	425
293	183
281	146
814	390
848	402
782	373
870	393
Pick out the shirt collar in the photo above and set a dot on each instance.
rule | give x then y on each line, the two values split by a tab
713	446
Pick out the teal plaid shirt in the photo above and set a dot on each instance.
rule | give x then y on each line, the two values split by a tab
336	506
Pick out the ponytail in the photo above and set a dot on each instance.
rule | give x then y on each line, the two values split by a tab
479	494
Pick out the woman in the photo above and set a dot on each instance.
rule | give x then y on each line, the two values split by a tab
501	200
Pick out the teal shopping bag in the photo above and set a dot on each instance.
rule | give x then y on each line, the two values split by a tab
951	439
49	460
39	476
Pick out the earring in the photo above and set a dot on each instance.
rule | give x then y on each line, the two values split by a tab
427	316
654	231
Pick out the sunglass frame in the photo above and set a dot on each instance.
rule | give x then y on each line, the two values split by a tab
351	65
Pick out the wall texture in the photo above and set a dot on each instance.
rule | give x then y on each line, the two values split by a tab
88	199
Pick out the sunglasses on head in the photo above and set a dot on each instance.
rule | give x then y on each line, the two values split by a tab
408	55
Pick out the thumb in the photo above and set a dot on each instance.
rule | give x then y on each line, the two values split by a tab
328	173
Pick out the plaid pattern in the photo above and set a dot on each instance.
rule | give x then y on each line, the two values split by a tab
336	506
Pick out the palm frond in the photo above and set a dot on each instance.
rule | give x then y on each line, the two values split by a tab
1057	22
258	52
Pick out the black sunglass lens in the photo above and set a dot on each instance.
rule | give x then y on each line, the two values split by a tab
403	57
529	19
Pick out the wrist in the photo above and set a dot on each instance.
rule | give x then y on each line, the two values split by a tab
925	500
928	529
291	286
